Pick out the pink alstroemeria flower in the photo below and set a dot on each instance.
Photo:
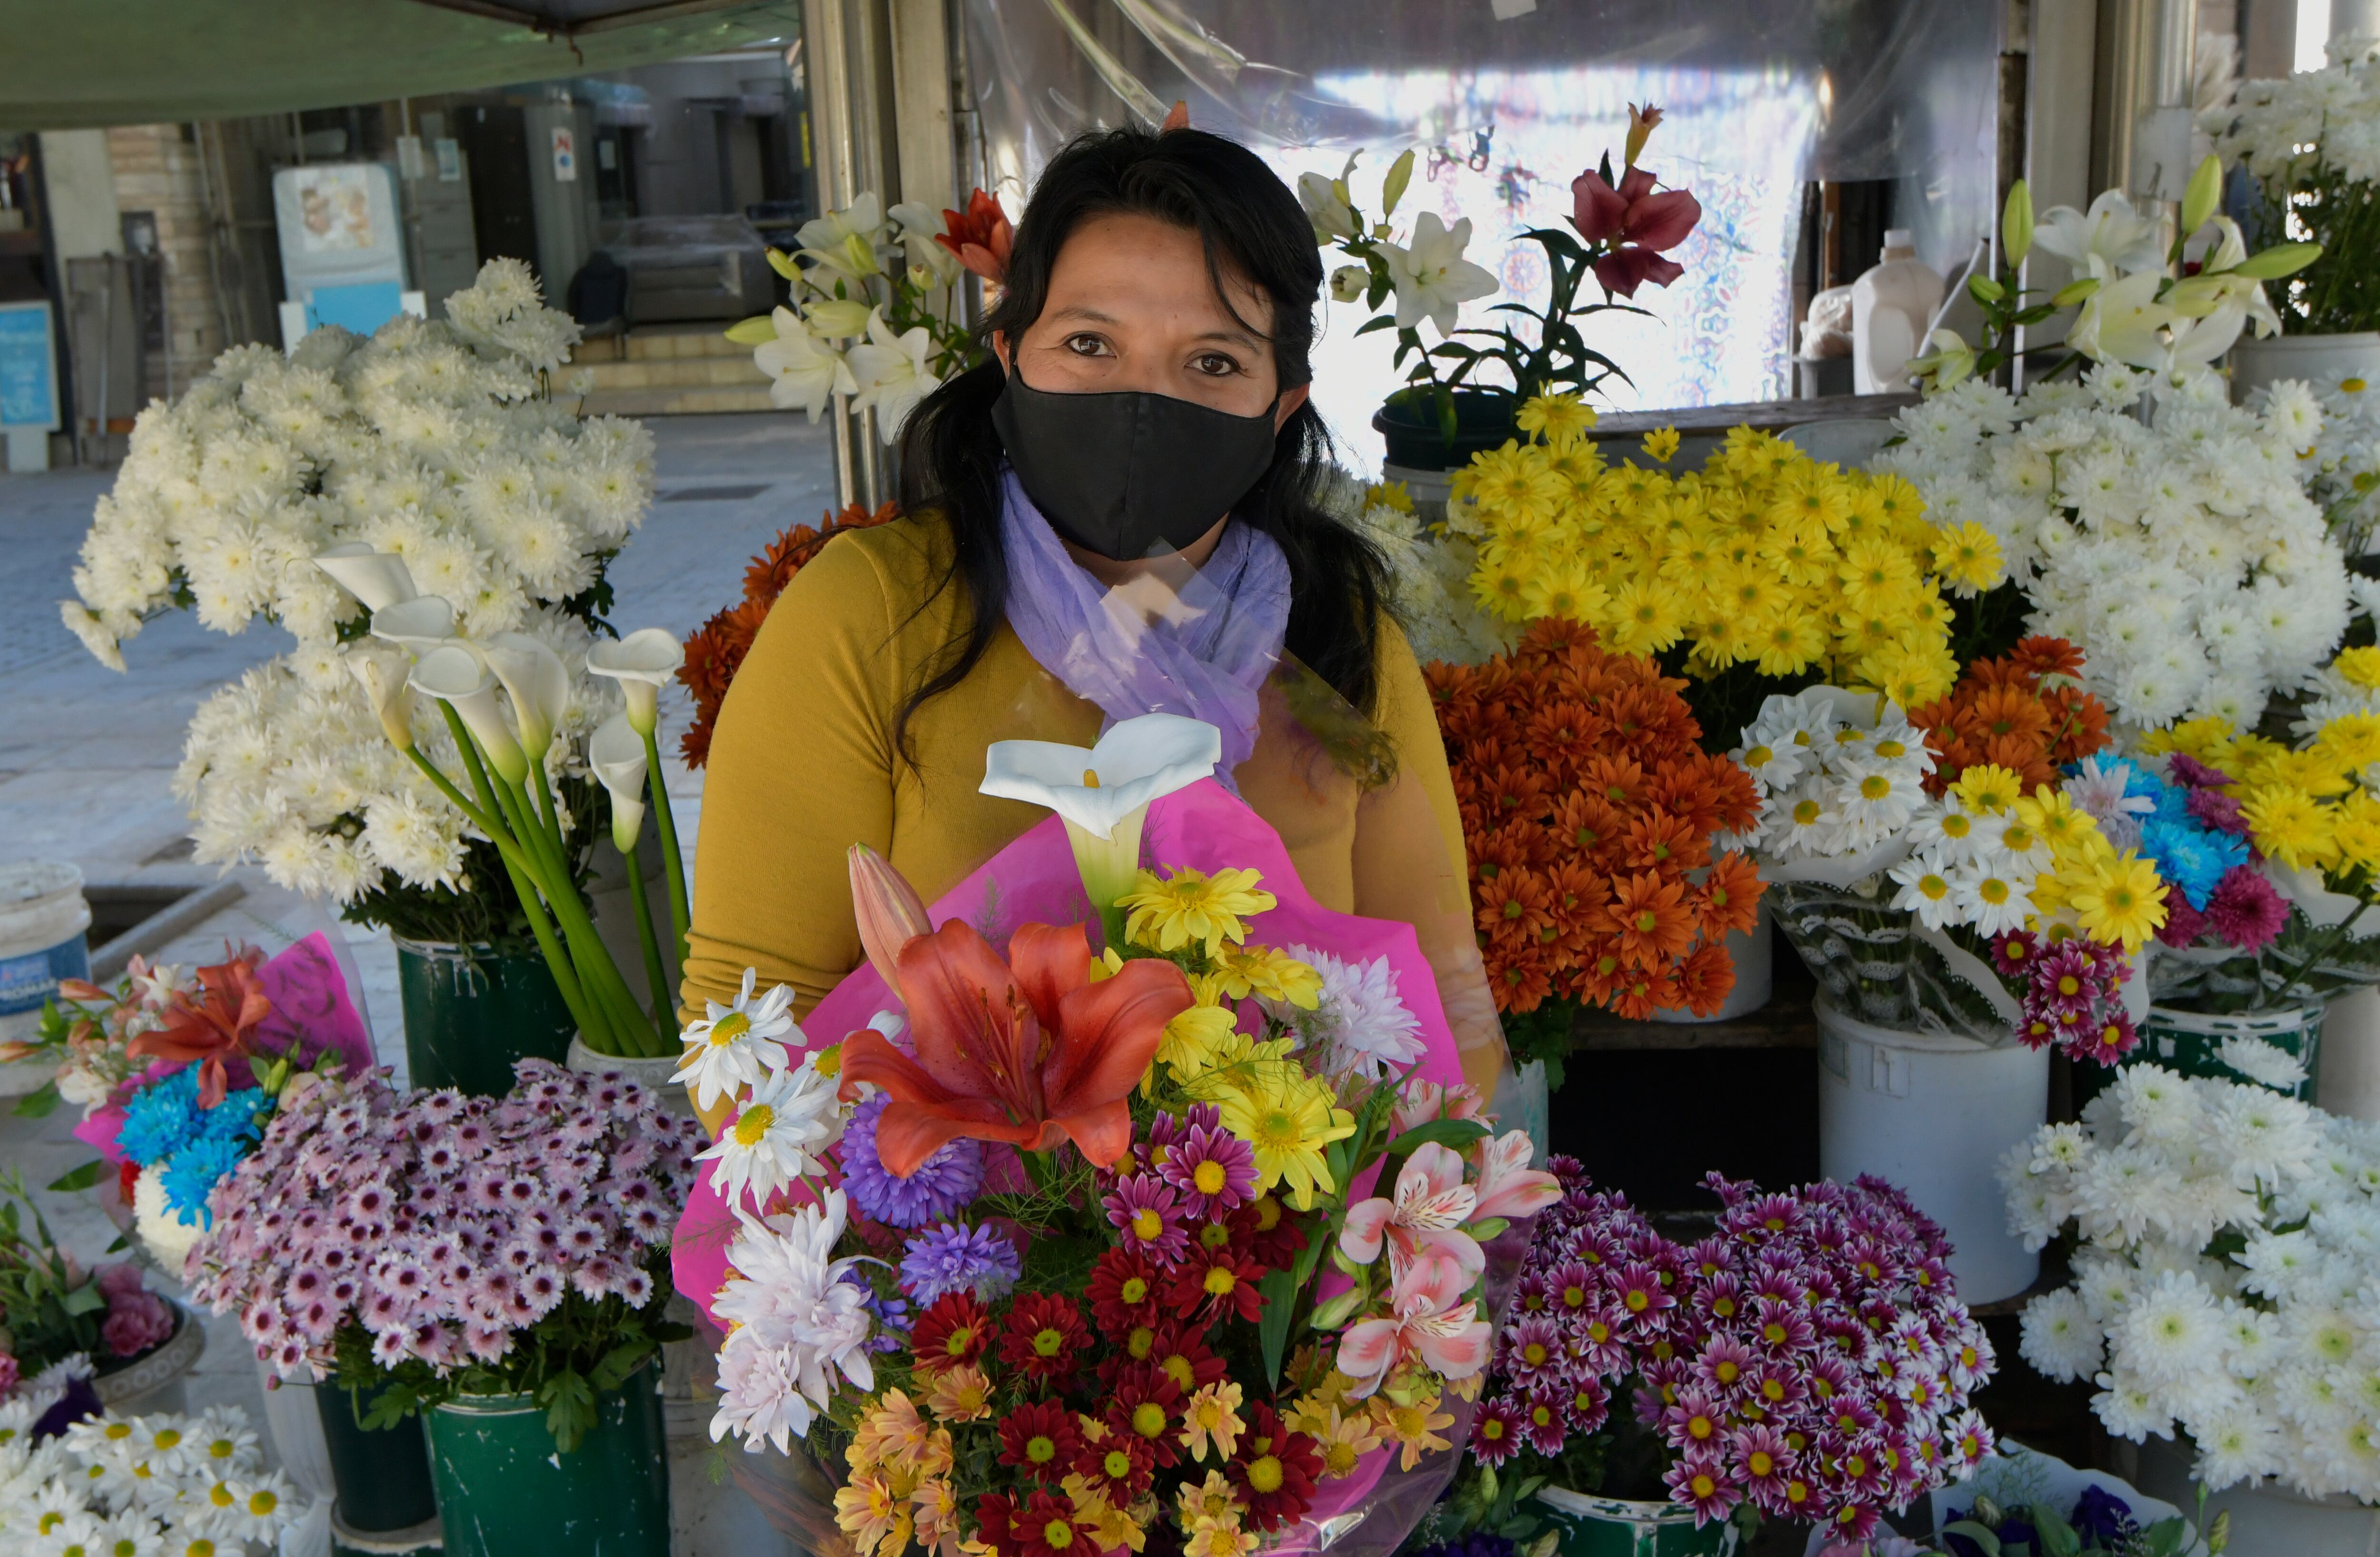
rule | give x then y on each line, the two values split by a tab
1421	1325
1508	1186
1421	1224
1422	1101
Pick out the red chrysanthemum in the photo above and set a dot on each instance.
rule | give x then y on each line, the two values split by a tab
1217	1281
1042	1336
954	1330
1144	1404
1123	1294
1122	1464
1180	1353
1266	1231
1040	1439
1274	1468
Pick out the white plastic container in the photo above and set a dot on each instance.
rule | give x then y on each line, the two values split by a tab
42	917
1891	305
2267	1518
2322	361
1933	1114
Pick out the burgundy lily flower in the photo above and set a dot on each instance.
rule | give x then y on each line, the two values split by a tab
979	237
1637	223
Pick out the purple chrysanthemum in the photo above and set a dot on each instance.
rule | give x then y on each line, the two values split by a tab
954	1258
2219	810
2245	910
1144	1211
1214	1169
942	1184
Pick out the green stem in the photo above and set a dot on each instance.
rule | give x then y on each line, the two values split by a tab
654	974
2323	949
631	1026
673	862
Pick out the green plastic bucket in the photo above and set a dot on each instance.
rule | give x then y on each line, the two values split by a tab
2190	1042
505	1491
1593	1526
470	1011
381	1474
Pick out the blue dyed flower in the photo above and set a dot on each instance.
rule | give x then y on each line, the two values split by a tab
954	1258
2193	857
160	1118
942	1187
191	1174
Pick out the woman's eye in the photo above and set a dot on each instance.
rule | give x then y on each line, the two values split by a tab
1088	345
1214	364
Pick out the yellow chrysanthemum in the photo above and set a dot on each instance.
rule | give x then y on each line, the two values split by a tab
1211	1500
1909	676
2117	901
1413	1428
1987	789
1286	1124
1661	444
2355	830
1787	643
1342	1440
2359	666
1188	908
1117	1530
1558	419
1565	589
1968	556
1193	1038
1644	618
2351	741
1211	1418
2289	824
1389	494
1270	973
2053	814
1513	480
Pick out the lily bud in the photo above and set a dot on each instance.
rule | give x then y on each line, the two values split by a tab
454	677
2076	291
2218	1532
381	671
1339	1310
1392	189
2016	223
891	913
1642	122
2198	199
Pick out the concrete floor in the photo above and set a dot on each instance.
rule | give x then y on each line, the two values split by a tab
87	756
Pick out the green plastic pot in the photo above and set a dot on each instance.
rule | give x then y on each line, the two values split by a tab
2190	1042
1595	1527
470	1011
1483	420
381	1474
504	1490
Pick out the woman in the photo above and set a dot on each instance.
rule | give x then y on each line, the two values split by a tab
1116	515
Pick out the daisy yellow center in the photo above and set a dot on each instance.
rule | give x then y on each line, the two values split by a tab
1543	1415
1957	826
962	1340
1993	891
1140	1343
1148	1418
167	1439
1147	1225
1492	1429
1221	1281
1118	1465
1177	1368
1638	1300
1758	757
1048	1343
1268	1214
1040	1449
730	1028
2019	838
1135	1289
1058	1533
1599	1331
2069	985
261	1502
1648	921
1934	887
1805	812
219	1495
752	1124
1264	1474
1573	1296
1210	1177
1535	1353
1876	786
1760	1462
1772	1391
1703	1484
1214	1235
1890	749
1700	1426
1724	1308
118	1431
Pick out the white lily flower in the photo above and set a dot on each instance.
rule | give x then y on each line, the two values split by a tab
1326	207
537	682
790	1117
1431	276
381	671
844	241
1104	792
617	755
737	1045
456	676
2120	321
642	664
891	374
419	624
2111	231
379	579
801	371
919	220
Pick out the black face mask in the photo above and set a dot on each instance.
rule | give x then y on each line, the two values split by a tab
1129	474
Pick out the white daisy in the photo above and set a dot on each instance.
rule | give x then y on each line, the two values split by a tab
1992	903
735	1046
1926	890
790	1117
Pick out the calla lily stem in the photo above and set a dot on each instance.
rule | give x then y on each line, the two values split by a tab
654	974
672	863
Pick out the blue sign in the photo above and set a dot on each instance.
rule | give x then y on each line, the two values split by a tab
29	385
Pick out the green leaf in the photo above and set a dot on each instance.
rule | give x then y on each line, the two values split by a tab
1456	1133
569	1408
619	1362
1978	1533
84	1299
1385	322
121	1244
80	1178
1279	1295
38	1105
2165	1537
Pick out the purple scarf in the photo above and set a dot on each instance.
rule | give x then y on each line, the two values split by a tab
1205	660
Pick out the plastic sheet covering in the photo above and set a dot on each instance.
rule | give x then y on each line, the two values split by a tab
1761	96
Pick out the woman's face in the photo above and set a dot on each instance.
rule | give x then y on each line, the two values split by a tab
1131	305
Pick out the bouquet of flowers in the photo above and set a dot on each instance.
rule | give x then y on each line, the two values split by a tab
2312	141
427	1246
1759	573
889	288
2096	1523
1588	817
2273	850
191	1486
716	651
1041	1261
52	1309
1620	230
1809	1361
1990	885
2222	1234
2175	548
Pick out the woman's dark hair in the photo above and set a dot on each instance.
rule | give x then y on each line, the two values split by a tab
1250	225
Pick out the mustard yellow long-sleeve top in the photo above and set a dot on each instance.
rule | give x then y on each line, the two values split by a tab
803	764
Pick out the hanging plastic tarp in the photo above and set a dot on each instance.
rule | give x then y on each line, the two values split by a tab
1760	96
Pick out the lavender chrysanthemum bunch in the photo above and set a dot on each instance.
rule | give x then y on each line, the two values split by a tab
1810	1357
436	1229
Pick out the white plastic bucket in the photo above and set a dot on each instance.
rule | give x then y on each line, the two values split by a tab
42	917
2267	1518
2320	361
1933	1115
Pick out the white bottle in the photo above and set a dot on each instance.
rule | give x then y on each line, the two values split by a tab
1891	305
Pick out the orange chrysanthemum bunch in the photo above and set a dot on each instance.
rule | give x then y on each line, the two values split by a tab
1588	812
2025	712
717	649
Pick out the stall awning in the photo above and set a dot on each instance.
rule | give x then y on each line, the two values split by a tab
69	64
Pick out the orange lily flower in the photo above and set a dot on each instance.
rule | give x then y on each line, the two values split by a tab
1030	1051
207	1030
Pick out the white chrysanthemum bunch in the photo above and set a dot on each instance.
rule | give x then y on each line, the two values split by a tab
1834	781
2345	460
155	1485
2180	553
2281	128
429	441
1429	573
2229	1244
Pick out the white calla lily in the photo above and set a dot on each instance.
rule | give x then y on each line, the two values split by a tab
381	671
419	624
537	682
379	579
456	676
1103	792
617	755
642	664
